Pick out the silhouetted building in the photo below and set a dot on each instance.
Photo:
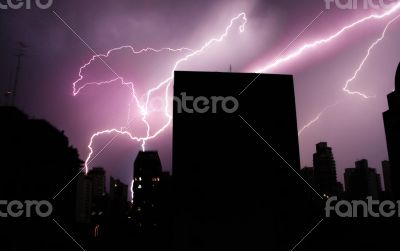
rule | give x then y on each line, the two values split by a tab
231	190
362	181
100	200
36	162
146	189
98	178
83	199
387	178
391	120
325	170
118	198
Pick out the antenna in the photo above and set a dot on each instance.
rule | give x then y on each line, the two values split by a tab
230	68
21	53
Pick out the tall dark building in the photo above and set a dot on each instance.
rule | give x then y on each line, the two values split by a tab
232	190
83	199
98	178
118	197
147	173
391	119
325	170
362	181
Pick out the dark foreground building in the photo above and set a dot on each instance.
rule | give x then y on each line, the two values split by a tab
391	120
36	161
234	170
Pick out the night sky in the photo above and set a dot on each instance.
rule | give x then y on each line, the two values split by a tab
353	126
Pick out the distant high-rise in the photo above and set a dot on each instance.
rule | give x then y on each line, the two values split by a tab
98	178
118	197
325	170
386	175
391	120
362	181
118	190
83	199
146	189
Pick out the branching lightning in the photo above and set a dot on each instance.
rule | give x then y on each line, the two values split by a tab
327	40
241	18
345	88
353	77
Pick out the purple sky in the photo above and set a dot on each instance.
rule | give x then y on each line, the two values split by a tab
353	127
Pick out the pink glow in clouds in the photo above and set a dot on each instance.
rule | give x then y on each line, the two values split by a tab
150	133
152	124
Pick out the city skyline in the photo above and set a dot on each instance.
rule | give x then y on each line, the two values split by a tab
164	206
186	125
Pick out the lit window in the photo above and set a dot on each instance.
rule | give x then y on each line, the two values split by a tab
139	186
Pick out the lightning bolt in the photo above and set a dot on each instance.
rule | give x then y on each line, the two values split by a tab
313	121
132	191
167	82
353	77
372	46
315	44
76	90
241	17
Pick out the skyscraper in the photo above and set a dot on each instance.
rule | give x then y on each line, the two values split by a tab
227	182
118	197
362	181
83	199
146	189
391	120
98	178
325	170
